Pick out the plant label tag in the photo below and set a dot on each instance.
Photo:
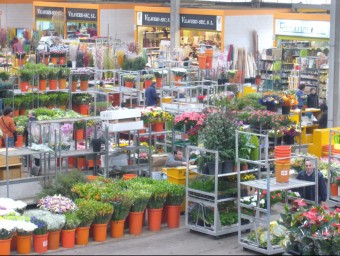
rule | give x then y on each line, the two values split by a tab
284	173
45	243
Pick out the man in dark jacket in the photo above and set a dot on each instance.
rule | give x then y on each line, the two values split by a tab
151	95
312	99
309	191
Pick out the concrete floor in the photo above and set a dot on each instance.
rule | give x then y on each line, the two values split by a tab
179	241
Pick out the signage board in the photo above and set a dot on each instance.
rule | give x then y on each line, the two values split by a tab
302	28
73	14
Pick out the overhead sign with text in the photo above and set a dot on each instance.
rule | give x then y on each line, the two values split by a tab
47	12
81	14
205	22
302	28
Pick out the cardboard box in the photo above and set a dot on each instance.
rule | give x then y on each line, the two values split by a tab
124	126
14	172
158	160
156	175
11	159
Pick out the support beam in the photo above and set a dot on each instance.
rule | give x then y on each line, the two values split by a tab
333	89
174	24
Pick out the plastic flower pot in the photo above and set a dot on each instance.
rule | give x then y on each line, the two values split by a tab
157	127
40	243
54	240
154	219
62	84
53	84
99	232
117	228
82	235
84	85
5	246
24	244
68	238
173	216
42	85
135	223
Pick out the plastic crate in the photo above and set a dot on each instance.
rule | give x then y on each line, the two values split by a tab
178	172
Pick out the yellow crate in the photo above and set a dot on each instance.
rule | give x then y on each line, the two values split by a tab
178	172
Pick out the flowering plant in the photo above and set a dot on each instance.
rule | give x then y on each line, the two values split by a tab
275	133
312	229
275	197
264	118
179	71
25	228
292	131
7	229
271	99
72	221
160	73
289	98
130	78
187	120
221	99
155	114
66	128
103	212
10	204
41	226
298	164
57	204
85	212
54	221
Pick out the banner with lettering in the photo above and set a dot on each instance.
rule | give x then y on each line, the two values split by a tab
75	14
153	19
204	22
303	28
47	12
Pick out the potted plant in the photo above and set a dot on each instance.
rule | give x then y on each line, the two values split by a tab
174	199
290	133
156	116
179	73
20	133
42	74
141	198
63	74
79	127
17	102
25	76
84	80
53	78
121	200
155	204
102	217
24	236
75	78
129	80
63	100
232	74
159	74
147	80
4	75
40	235
271	101
86	214
7	229
57	204
51	100
68	233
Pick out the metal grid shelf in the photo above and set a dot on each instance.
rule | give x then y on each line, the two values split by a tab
274	186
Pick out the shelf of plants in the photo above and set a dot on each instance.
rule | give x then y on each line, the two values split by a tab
265	234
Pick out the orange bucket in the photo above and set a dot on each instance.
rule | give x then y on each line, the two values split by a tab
99	232
82	235
117	228
202	61
282	172
129	176
24	244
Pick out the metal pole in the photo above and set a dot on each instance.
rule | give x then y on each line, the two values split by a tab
7	167
174	24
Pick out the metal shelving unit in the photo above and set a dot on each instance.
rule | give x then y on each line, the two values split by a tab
333	200
262	216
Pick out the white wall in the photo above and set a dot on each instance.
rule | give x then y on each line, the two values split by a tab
239	31
121	23
17	16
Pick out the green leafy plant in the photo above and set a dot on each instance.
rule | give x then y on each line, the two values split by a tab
43	73
64	73
72	221
176	193
82	98
121	200
103	212
53	73
158	194
25	75
79	125
4	75
148	77
75	77
84	77
141	199
129	78
63	99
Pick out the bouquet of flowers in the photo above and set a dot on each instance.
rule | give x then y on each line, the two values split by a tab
289	98
292	131
271	100
7	229
57	204
155	114
179	71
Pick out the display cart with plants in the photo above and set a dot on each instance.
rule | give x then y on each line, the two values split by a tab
256	209
210	194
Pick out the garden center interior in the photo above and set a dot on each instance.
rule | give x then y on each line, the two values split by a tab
120	118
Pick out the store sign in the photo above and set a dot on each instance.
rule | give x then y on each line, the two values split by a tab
81	14
47	12
205	22
302	28
153	19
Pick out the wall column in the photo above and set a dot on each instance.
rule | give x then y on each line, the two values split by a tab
174	24
333	89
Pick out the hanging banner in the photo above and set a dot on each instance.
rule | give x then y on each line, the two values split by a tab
73	14
203	22
153	19
302	28
47	12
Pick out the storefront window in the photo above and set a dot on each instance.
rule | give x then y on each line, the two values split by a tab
82	28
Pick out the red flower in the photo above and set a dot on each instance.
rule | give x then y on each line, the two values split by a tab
264	192
337	209
300	202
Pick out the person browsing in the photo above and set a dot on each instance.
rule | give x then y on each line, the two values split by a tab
176	159
7	126
151	96
309	192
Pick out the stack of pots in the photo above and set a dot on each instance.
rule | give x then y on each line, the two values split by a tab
325	150
209	58
282	166
202	60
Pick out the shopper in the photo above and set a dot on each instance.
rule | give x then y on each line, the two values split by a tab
7	126
101	96
322	120
176	159
309	191
151	95
31	118
312	99
301	96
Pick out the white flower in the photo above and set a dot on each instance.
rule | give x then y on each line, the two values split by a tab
25	226
12	204
8	226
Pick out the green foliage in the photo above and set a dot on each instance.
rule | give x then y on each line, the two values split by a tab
85	212
20	120
135	64
63	184
63	99
103	212
127	64
158	194
43	73
82	98
64	73
176	193
249	100
129	78
72	220
84	77
121	200
4	75
25	75
79	125
53	73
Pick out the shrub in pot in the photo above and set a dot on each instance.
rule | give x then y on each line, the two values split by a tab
86	213
68	233
174	199
102	217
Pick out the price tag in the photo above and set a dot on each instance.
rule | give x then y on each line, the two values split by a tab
284	173
45	243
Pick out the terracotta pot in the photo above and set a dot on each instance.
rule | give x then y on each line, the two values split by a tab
129	84
68	238
91	177
81	162
99	232
157	127
334	189
40	243
178	79
202	61
71	162
173	216
117	228
74	86
53	240
159	81
135	223
84	85
63	107
53	84
5	247
24	244
129	176
16	112
62	84
79	134
62	60
147	83
46	60
84	109
82	235
19	141
22	112
42	85
54	60
154	219
208	63
24	86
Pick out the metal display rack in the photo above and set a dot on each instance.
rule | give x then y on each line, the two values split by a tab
262	216
333	200
205	202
